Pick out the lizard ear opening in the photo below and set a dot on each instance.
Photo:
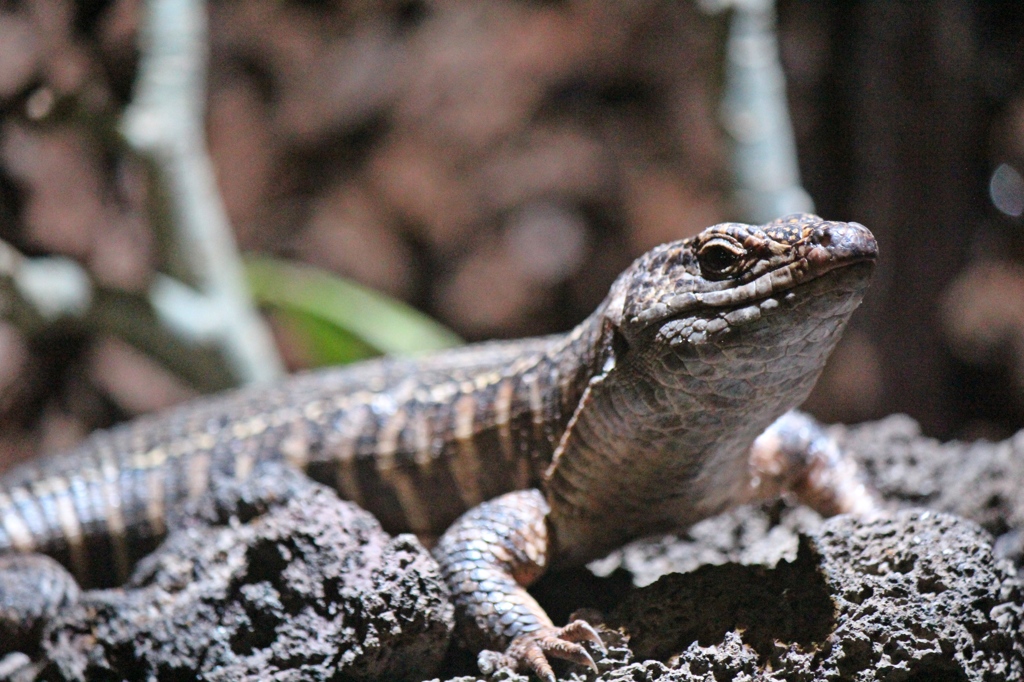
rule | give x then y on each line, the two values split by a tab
620	344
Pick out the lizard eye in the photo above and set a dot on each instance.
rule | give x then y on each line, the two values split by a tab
719	257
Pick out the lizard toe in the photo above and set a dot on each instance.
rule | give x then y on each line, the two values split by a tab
522	655
530	652
569	651
582	631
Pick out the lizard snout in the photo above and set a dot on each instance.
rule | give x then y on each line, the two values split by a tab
842	244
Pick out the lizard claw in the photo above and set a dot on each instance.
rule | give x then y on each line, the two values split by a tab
582	631
530	651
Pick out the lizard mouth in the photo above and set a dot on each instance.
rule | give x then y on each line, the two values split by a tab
842	283
778	282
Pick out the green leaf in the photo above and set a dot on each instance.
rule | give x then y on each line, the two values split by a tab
322	343
340	321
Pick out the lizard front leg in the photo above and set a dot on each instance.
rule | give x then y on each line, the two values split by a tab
797	456
488	557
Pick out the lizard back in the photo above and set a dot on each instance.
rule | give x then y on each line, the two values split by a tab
414	441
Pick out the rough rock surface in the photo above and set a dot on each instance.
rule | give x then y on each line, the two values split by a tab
912	597
980	481
918	596
311	590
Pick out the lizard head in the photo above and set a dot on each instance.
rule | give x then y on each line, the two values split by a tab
701	344
731	278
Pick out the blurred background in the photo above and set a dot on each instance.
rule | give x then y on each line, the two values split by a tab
497	164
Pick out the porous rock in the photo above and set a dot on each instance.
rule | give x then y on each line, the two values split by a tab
312	589
914	596
978	480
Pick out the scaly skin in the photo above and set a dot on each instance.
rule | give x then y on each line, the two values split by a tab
641	420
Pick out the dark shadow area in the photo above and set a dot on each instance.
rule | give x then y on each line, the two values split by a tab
787	604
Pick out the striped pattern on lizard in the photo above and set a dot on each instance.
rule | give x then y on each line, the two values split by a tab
655	412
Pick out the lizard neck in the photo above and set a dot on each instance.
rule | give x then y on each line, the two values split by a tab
579	355
550	385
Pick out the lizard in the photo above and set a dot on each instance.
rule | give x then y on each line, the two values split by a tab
671	403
